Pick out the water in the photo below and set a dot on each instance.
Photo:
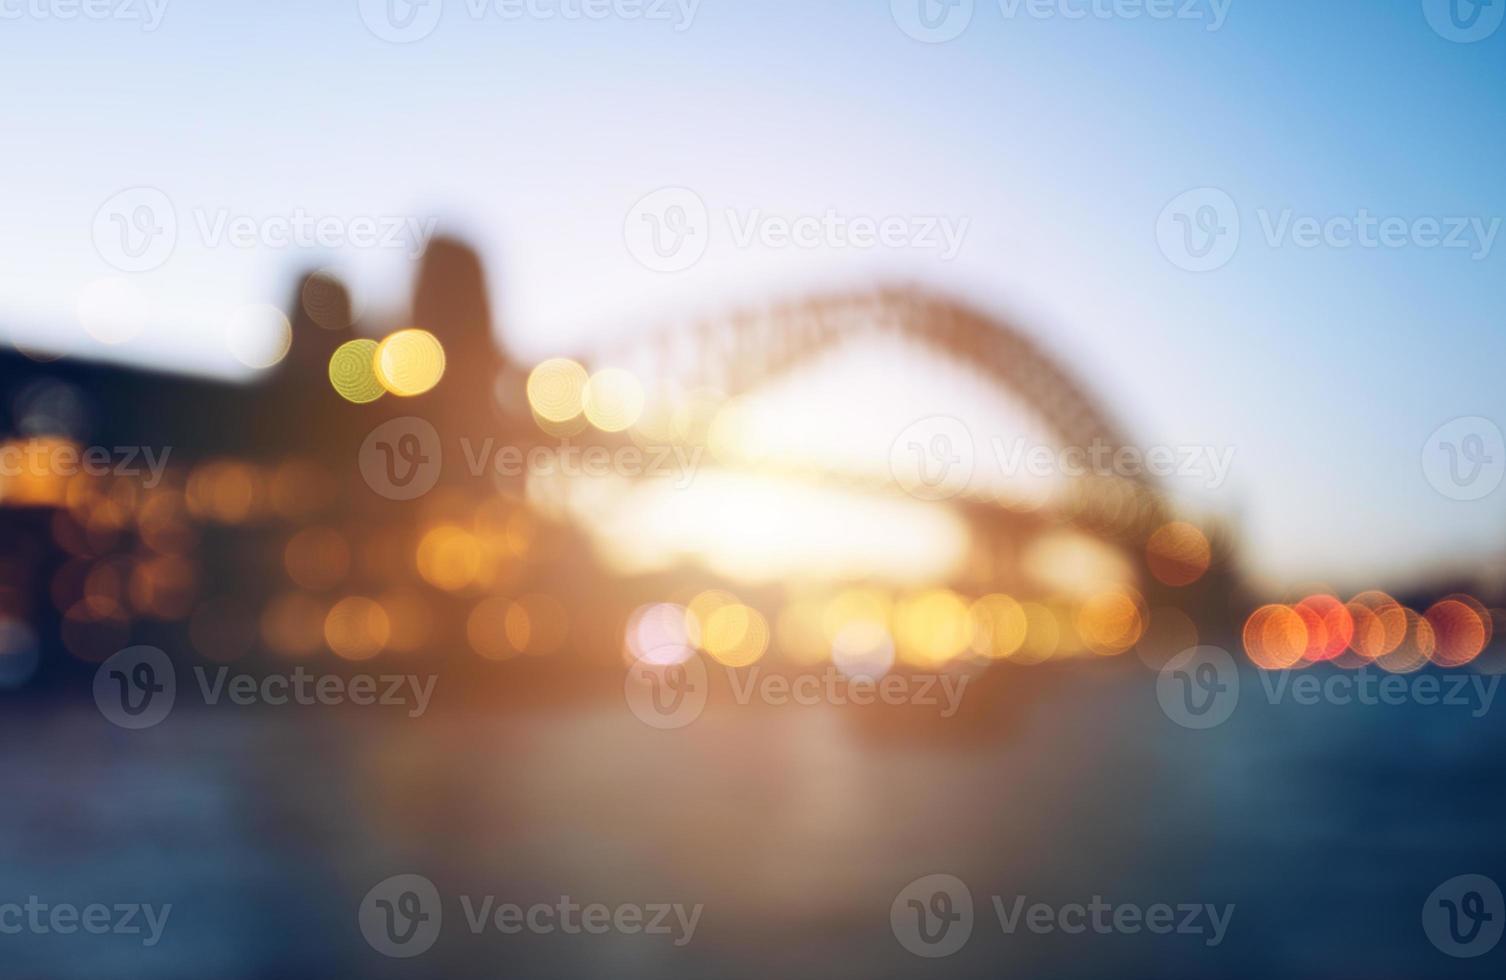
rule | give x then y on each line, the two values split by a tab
794	827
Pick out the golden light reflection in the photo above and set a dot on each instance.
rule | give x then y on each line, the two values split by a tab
1111	622
409	362
1043	635
352	371
999	626
1459	629
1178	553
931	628
735	635
1380	624
612	399
1330	627
449	557
1275	637
556	390
756	529
356	628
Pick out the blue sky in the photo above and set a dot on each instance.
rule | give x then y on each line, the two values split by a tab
1059	140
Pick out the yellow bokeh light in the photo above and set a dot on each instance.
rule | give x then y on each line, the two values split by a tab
356	628
556	389
352	371
449	557
1178	553
409	362
931	628
700	610
612	399
1110	623
735	635
852	606
999	626
1043	634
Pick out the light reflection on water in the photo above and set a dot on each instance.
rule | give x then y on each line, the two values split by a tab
794	826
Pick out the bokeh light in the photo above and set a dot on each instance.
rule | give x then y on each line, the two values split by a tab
556	390
1178	553
409	362
352	371
356	628
612	399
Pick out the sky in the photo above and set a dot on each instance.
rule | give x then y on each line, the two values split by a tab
1059	148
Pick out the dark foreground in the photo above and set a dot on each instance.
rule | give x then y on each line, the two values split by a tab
1325	826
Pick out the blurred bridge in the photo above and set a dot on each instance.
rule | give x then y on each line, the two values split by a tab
262	526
